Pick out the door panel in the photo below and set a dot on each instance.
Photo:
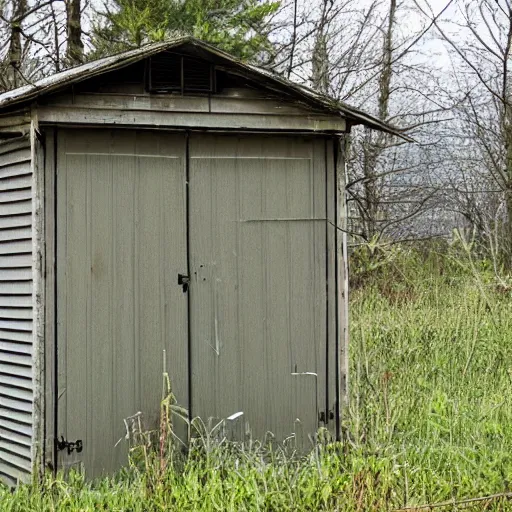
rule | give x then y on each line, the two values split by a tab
121	241
258	292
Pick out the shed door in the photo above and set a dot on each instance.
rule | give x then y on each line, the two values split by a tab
121	241
258	291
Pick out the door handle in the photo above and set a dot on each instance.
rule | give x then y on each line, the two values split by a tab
184	281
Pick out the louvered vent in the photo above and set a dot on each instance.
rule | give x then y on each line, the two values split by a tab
197	75
170	72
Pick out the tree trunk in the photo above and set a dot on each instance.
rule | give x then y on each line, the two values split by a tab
377	143
15	51
75	47
387	59
320	77
320	56
507	137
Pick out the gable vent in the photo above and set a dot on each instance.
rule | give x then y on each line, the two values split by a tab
170	72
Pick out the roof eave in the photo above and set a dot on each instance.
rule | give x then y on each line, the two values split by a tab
267	78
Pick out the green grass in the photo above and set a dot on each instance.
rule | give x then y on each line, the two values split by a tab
432	380
430	417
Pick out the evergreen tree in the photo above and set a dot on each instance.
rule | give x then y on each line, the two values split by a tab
241	27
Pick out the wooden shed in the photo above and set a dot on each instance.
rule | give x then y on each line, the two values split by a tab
168	209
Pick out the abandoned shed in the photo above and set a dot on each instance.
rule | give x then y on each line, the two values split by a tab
168	209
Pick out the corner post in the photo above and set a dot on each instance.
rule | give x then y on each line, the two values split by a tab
342	270
38	294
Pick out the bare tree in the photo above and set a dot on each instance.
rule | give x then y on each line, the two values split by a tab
13	76
357	51
392	187
481	138
33	34
370	203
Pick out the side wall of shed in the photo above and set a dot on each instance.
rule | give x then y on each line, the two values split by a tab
16	311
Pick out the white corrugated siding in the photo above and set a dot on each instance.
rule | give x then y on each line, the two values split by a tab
16	313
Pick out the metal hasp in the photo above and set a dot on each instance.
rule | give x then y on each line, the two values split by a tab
183	281
71	446
322	416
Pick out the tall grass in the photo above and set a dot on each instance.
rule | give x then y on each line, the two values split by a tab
432	377
430	415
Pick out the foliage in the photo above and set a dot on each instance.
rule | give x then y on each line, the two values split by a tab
237	26
429	416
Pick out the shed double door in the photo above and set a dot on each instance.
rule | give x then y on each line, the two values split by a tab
244	335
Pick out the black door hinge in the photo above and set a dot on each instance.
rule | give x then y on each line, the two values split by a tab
183	281
76	446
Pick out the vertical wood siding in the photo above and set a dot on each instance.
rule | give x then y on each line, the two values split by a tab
120	247
259	250
16	375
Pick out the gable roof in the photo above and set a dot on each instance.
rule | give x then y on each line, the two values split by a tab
265	77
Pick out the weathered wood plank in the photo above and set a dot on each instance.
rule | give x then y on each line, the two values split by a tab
7	235
23	181
11	196
16	274
14	120
81	116
49	345
16	325
14	437
15	359
16	370
23	337
38	296
15	260
15	347
17	247
342	274
22	396
19	208
15	169
263	106
20	129
174	103
15	221
13	301
17	405
11	145
14	425
12	474
171	103
10	158
21	313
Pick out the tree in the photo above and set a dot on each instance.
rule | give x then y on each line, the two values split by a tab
383	70
237	26
359	52
35	32
481	137
75	46
13	74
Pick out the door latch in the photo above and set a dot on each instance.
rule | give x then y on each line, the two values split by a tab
184	281
325	417
71	446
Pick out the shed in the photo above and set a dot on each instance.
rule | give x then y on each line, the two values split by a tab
168	209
